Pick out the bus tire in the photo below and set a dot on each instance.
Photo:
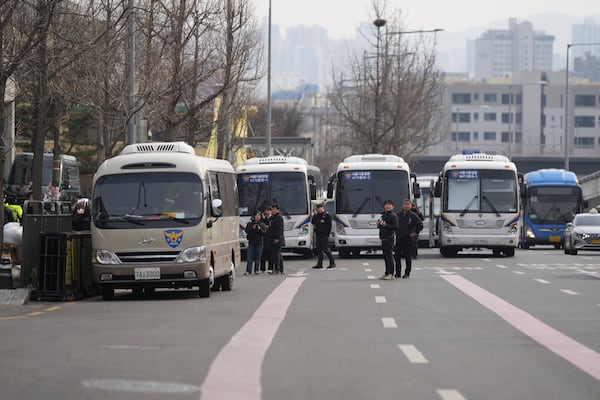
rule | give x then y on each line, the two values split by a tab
509	251
108	293
204	288
226	281
344	253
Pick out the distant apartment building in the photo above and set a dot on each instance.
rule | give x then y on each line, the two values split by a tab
522	116
586	58
500	52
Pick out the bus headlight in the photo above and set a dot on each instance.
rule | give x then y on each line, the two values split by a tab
303	230
529	233
192	254
106	257
339	229
446	227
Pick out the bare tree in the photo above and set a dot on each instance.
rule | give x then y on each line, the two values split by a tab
390	99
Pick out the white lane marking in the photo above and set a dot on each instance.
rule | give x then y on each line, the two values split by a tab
574	352
567	291
442	271
486	259
365	264
450	394
389	323
542	281
139	386
519	272
413	355
380	299
417	268
501	266
343	269
375	286
368	269
371	277
235	374
590	273
129	347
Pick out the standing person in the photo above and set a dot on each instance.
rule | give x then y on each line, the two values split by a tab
387	225
266	254
415	239
255	232
276	239
322	224
408	225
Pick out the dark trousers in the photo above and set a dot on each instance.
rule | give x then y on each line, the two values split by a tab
266	258
387	245
403	249
415	246
253	256
276	259
322	246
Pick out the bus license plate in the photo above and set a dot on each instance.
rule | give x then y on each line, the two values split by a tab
147	273
554	239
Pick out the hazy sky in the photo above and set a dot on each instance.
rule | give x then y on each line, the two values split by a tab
340	17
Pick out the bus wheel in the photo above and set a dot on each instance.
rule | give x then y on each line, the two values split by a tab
344	253
108	293
448	252
509	251
226	281
205	285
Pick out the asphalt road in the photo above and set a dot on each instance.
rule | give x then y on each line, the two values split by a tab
471	327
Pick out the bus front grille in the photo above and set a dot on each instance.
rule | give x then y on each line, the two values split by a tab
148	257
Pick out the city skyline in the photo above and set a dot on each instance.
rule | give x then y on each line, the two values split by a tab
341	17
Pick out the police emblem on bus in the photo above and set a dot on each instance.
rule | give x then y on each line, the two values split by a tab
173	237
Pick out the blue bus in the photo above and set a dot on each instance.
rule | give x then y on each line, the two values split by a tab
551	199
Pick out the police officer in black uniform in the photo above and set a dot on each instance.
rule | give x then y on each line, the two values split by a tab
322	225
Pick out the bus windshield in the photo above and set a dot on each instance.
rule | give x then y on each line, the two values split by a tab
363	192
150	200
486	191
261	189
552	205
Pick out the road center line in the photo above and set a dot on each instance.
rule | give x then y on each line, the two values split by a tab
375	286
380	299
577	354
235	374
542	281
519	272
370	276
413	355
389	323
501	266
368	270
567	291
450	394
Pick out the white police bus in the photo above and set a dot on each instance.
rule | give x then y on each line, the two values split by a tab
291	183
359	188
164	217
479	204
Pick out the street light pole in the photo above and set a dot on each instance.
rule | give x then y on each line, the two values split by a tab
457	117
269	86
510	100
379	22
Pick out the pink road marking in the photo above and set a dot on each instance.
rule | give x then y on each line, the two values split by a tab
577	354
236	371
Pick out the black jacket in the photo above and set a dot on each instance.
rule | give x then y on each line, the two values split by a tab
391	223
276	231
255	232
322	223
408	222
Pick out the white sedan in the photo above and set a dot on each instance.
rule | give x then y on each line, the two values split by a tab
583	233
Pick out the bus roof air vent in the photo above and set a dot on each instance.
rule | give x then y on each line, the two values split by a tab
276	160
374	158
159	147
479	157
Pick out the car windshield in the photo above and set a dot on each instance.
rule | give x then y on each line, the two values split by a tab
587	220
147	200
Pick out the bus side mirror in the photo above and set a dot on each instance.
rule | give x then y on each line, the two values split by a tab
329	189
216	208
523	190
416	190
313	191
437	189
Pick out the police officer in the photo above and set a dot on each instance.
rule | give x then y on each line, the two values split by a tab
387	224
322	225
409	224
